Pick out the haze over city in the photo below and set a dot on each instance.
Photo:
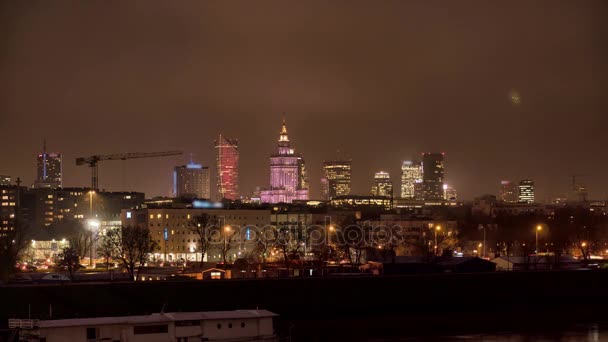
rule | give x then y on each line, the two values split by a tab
507	92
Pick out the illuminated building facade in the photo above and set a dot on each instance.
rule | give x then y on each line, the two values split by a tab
191	180
8	209
382	185
449	193
5	180
508	192
169	229
411	173
49	170
526	191
357	202
288	179
227	158
432	176
336	178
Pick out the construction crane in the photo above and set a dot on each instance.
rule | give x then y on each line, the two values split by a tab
92	161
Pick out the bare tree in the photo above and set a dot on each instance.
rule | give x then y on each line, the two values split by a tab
132	246
107	250
70	261
263	240
202	226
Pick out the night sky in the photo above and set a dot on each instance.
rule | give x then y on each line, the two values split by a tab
379	80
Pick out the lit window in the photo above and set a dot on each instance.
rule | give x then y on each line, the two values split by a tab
128	214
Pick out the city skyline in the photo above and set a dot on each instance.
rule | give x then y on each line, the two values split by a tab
374	91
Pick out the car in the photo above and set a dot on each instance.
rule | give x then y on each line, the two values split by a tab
20	279
54	278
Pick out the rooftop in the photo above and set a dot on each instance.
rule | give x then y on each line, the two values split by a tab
157	318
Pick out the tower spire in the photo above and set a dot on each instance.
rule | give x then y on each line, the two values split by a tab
44	146
284	127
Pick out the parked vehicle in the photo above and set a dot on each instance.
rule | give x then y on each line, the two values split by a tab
54	278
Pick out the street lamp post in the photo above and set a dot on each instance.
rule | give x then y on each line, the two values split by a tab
93	225
437	228
538	229
226	231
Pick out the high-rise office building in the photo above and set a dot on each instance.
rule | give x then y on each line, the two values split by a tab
49	169
526	191
288	179
227	158
5	180
508	192
432	176
191	180
382	184
337	176
411	173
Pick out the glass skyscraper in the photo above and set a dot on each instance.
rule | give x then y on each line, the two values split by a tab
191	180
49	169
227	159
526	191
411	173
336	178
382	184
432	176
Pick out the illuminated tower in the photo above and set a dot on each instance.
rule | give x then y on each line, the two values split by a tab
432	176
49	169
411	173
191	180
227	159
288	179
336	178
526	191
382	184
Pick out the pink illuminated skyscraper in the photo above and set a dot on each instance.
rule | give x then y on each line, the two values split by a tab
288	179
227	167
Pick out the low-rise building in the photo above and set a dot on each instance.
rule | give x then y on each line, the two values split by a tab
239	325
172	231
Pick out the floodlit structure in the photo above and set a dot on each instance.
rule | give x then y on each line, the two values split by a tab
336	178
411	173
382	184
227	158
49	169
288	179
526	191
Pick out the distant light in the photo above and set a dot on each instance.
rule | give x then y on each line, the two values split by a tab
128	214
206	204
515	98
194	166
93	223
